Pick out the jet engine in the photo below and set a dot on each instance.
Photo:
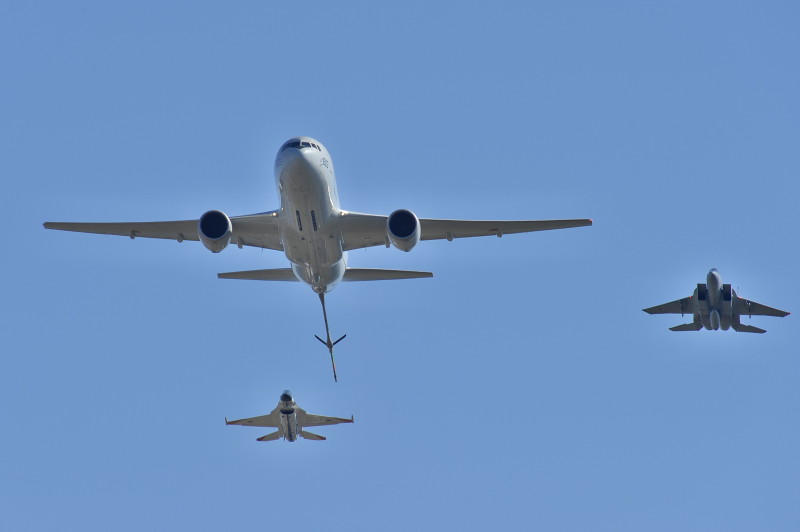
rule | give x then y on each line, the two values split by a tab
403	230
214	229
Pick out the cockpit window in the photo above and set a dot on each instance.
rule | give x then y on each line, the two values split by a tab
291	144
299	145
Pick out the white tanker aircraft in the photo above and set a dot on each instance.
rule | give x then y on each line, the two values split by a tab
715	306
312	230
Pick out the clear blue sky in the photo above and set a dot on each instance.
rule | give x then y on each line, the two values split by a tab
520	388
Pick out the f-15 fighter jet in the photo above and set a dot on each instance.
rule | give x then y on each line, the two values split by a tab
716	306
290	420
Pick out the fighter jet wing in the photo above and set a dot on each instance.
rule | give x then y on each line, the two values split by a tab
311	420
679	306
365	230
745	307
270	420
256	230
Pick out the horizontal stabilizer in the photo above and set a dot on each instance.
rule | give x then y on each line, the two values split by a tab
270	437
277	274
311	436
747	328
687	327
374	274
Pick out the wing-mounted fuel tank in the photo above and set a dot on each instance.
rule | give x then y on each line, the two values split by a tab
214	229
403	229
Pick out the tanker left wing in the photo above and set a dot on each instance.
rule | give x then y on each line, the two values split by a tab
257	230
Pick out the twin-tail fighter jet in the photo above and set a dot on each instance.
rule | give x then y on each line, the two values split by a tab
313	231
716	306
290	420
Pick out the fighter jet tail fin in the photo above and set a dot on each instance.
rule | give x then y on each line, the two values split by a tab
687	327
270	437
747	328
311	436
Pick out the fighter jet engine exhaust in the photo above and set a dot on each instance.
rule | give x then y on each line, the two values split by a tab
403	229
215	229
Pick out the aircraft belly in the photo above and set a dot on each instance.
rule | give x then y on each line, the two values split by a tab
310	239
289	426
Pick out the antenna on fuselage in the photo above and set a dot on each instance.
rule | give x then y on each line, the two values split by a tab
329	344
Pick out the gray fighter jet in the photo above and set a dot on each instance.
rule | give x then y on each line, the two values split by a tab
290	420
716	306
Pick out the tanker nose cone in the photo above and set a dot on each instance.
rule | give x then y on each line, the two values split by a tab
286	396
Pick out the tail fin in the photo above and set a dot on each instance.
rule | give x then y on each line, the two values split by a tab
746	328
350	274
375	274
277	274
311	436
687	327
270	437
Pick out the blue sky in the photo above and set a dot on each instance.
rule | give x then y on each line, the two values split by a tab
522	387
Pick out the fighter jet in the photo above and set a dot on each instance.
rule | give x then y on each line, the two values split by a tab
290	420
716	306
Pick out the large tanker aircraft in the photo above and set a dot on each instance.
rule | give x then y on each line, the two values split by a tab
312	230
715	306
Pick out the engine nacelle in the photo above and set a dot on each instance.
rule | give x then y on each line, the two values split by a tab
214	229
402	228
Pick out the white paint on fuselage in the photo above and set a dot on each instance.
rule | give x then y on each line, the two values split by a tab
307	186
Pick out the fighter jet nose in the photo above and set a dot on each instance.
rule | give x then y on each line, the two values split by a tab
286	396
